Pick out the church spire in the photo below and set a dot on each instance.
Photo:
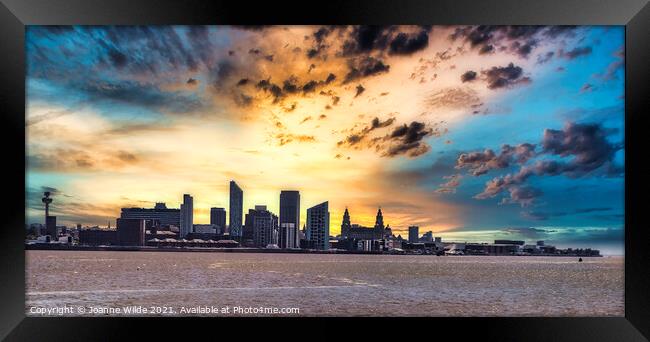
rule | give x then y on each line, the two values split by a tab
346	218
379	221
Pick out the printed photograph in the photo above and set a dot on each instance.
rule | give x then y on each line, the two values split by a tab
346	170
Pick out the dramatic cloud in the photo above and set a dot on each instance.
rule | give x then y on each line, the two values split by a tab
585	145
505	77
408	140
364	67
367	39
519	40
480	163
468	76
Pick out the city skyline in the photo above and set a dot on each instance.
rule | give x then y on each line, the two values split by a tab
470	132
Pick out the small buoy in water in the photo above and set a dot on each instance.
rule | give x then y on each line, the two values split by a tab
579	259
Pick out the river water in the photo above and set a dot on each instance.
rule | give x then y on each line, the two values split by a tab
175	283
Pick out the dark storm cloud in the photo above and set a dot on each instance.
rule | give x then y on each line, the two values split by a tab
357	137
505	77
360	67
585	147
366	38
575	52
520	40
468	76
272	88
586	143
408	140
403	44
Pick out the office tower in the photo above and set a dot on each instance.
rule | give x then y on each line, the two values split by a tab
187	216
218	218
159	213
414	234
261	226
318	226
289	218
130	232
236	210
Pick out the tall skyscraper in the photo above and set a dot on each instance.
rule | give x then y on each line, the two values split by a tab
289	218
318	226
414	234
218	218
236	210
187	216
262	226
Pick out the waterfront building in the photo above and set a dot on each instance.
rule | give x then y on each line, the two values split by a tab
509	242
414	234
318	226
289	218
262	227
205	229
357	232
159	213
218	218
427	237
236	211
130	232
96	237
287	236
186	216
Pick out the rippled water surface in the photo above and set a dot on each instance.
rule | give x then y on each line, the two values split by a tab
329	285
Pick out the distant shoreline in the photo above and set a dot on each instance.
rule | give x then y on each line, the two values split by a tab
60	247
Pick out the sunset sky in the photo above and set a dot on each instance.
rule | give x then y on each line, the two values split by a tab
473	132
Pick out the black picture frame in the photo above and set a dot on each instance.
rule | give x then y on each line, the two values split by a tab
634	14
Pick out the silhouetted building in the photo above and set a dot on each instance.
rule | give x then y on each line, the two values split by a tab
96	237
160	214
427	237
509	242
414	234
289	214
355	231
288	236
130	232
50	227
262	226
318	226
218	218
236	210
187	216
